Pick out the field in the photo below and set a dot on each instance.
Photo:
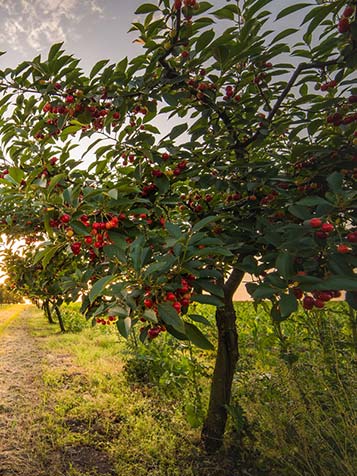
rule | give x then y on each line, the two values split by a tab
89	403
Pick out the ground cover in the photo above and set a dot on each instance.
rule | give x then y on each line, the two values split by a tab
89	403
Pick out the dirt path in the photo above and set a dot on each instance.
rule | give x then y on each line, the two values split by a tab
20	372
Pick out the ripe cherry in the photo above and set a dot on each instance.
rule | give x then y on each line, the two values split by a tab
308	302
315	222
343	249
65	218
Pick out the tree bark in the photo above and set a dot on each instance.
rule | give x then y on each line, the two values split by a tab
47	310
59	316
226	361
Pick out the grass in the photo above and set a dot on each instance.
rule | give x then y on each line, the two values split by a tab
87	403
111	408
9	313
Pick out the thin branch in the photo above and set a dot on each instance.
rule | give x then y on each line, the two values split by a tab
301	67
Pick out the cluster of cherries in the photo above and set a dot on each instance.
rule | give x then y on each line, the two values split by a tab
71	105
106	322
318	298
323	231
178	4
97	236
328	85
179	299
344	25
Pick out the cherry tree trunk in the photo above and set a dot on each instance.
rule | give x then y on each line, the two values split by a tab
226	361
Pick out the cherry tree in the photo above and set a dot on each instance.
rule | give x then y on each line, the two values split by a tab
256	175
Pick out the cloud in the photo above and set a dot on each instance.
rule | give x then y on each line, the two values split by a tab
38	23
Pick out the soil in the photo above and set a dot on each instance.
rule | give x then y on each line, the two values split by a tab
20	372
24	450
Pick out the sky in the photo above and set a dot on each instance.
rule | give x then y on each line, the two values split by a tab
90	29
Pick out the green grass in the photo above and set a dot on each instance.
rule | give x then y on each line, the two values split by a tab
138	408
87	402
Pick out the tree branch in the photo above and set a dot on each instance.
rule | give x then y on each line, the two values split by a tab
301	67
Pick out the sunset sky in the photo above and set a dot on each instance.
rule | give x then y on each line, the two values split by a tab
90	29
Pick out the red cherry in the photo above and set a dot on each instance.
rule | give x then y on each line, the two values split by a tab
47	107
315	222
148	303
327	227
343	249
171	297
65	218
319	303
352	237
308	302
343	25
88	240
324	296
348	11
76	247
177	306
69	99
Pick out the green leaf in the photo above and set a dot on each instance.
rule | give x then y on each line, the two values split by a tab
97	67
204	40
285	265
162	183
70	130
174	230
146	8
118	311
208	286
207	299
292	9
99	286
335	181
54	181
197	337
287	305
16	173
299	211
124	326
256	6
284	34
221	54
338	283
54	50
200	319
177	131
50	255
150	315
313	201
226	13
169	316
263	292
204	222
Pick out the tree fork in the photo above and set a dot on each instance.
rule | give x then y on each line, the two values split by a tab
226	361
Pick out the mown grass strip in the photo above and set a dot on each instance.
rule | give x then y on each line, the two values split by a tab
4	325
